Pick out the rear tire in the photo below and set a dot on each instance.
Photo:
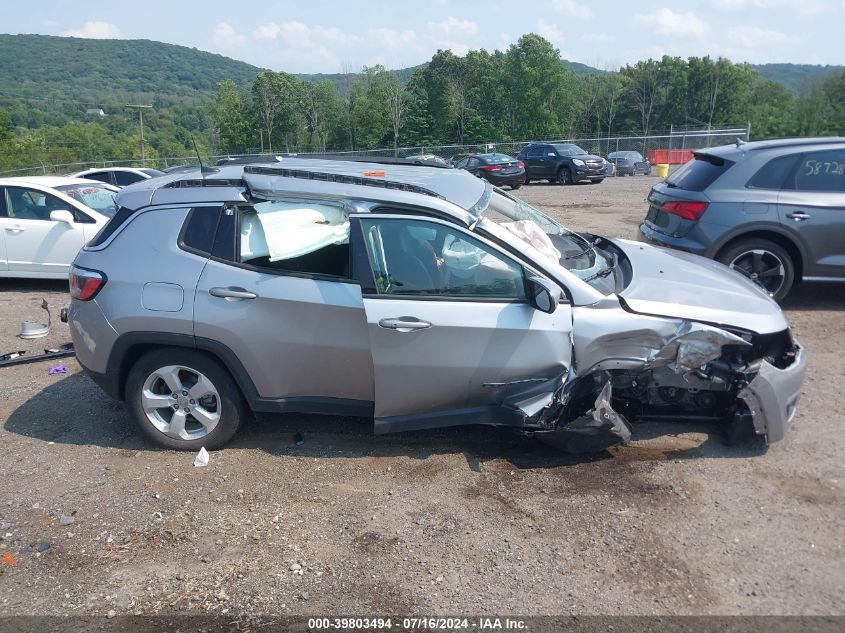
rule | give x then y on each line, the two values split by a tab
515	187
766	263
208	408
564	176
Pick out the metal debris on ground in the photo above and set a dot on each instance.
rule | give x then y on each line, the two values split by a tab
20	357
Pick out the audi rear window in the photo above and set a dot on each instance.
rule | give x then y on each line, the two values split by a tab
699	173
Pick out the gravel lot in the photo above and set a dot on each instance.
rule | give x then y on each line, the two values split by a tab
96	519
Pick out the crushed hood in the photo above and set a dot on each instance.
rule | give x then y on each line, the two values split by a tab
677	284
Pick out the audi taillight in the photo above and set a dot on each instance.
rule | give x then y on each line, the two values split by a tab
491	168
85	284
686	209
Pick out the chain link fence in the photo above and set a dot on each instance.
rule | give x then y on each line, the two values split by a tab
673	147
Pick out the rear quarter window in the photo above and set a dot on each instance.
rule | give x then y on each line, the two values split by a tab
699	173
774	173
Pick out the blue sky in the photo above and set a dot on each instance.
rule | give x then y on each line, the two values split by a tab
332	36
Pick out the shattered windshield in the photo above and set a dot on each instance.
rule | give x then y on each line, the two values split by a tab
552	240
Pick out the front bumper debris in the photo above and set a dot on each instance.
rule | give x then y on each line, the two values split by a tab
773	395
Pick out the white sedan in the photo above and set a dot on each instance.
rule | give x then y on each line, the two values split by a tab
118	176
45	220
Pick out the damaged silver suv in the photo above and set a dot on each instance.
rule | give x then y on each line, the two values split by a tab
420	296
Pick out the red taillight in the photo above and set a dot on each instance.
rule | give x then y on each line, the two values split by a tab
491	167
85	284
686	209
521	165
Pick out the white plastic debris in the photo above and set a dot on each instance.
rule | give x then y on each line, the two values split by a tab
201	459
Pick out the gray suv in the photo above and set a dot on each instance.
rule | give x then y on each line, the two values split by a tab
420	296
772	210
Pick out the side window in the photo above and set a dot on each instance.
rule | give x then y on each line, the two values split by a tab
537	151
426	259
821	171
472	163
30	204
199	230
123	178
102	176
773	174
462	163
295	237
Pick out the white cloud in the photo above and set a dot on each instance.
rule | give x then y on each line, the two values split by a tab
572	9
752	36
95	31
393	38
225	37
452	26
267	31
810	7
549	31
667	22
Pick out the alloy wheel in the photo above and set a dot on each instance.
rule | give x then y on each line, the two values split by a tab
181	402
762	267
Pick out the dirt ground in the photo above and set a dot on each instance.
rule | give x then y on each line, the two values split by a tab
94	519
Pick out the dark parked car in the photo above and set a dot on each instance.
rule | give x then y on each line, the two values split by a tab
630	163
561	162
498	169
772	210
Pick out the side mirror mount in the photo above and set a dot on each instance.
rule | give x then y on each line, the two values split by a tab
62	215
543	295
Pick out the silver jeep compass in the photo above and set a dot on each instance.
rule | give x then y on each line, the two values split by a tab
417	295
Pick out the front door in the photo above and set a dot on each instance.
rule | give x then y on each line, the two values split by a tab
35	244
452	334
812	203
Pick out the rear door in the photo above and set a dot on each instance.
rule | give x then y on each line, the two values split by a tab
812	203
536	162
35	244
452	335
301	336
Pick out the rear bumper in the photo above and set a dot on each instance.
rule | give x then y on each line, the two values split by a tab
650	236
773	395
508	179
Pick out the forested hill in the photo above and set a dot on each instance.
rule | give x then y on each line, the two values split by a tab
48	67
796	78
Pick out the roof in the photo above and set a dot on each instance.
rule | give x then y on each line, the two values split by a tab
48	181
443	189
134	170
753	146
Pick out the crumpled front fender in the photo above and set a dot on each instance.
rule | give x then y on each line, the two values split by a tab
773	395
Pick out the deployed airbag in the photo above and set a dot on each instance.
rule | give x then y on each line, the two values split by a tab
283	230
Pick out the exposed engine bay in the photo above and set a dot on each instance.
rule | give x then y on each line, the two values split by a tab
701	374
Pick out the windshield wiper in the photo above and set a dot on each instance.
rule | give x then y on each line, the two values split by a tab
590	247
602	273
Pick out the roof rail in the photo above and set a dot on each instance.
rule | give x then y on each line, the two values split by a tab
339	178
378	160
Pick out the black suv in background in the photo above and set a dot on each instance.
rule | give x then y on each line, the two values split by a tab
561	162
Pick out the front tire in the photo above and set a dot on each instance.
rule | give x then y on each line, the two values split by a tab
764	262
564	176
184	400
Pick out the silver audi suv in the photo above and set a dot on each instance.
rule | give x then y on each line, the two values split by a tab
418	296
